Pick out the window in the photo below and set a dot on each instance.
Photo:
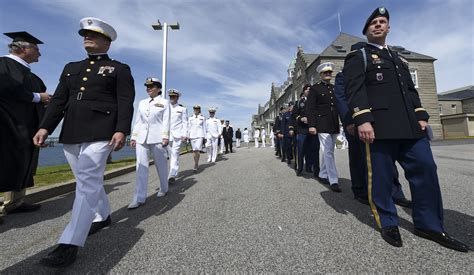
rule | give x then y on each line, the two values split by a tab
414	77
440	109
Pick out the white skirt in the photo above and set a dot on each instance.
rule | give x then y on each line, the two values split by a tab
196	144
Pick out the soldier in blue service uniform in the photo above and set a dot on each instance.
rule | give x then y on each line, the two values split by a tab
95	97
391	121
307	145
286	132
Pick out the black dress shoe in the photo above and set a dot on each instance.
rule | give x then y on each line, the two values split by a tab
442	238
392	236
283	160
289	161
299	173
335	188
362	199
97	226
309	170
171	180
25	207
323	180
403	202
64	255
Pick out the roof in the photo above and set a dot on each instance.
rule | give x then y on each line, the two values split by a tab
309	58
341	46
292	65
462	93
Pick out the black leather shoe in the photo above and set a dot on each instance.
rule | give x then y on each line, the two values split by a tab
392	236
299	173
25	207
283	160
442	238
335	188
97	226
323	180
309	170
403	202
171	180
289	161
64	255
363	200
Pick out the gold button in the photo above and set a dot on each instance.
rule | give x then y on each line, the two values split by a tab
92	62
83	88
88	70
103	74
85	78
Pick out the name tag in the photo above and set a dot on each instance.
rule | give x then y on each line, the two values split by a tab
159	105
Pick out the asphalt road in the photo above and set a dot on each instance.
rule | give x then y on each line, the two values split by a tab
248	213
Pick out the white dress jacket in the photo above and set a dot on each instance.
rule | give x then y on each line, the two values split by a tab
179	121
152	121
196	126
213	127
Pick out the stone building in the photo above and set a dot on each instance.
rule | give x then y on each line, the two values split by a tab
456	108
304	71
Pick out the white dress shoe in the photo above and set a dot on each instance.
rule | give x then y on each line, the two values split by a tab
134	205
161	194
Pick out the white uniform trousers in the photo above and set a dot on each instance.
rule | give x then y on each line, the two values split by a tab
87	161
212	149
328	164
159	156
237	143
272	140
222	145
263	141
174	156
256	142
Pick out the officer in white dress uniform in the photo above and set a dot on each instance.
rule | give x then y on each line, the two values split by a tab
256	136
245	135
95	98
196	133
150	134
179	131
214	130
221	138
272	139
263	134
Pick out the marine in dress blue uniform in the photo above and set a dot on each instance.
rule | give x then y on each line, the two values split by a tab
286	133
391	121
95	97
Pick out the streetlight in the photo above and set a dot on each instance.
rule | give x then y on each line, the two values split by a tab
164	27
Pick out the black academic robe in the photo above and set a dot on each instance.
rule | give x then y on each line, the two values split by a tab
19	119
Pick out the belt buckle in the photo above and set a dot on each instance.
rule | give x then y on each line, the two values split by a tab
79	96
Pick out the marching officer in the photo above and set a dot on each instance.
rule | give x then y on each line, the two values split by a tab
263	134
392	123
256	136
214	130
150	135
228	134
95	98
286	133
323	120
276	131
178	132
196	133
307	145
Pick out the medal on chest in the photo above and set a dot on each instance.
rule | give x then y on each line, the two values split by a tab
379	76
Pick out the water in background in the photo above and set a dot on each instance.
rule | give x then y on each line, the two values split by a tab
50	156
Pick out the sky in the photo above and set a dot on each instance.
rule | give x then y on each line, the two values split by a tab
228	53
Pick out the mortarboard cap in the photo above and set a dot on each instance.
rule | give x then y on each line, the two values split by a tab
23	36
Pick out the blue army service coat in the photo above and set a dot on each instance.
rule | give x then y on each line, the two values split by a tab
383	93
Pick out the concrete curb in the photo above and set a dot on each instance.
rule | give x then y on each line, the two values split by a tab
46	192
